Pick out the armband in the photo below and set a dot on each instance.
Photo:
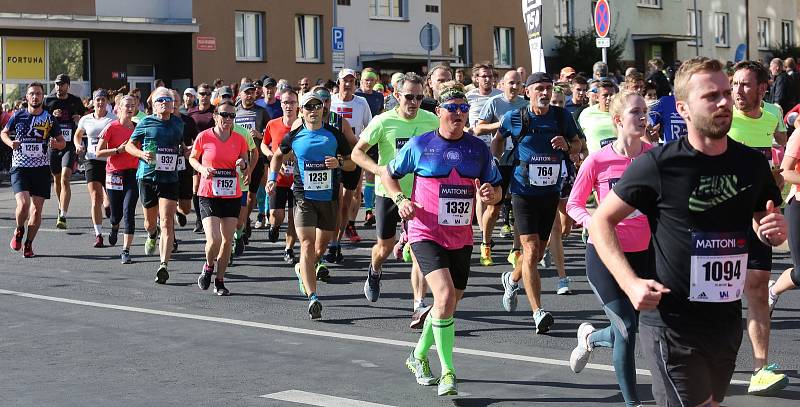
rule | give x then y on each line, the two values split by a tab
273	176
400	197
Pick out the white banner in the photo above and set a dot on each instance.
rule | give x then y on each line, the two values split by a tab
532	15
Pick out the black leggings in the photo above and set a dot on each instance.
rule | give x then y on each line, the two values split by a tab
123	202
792	213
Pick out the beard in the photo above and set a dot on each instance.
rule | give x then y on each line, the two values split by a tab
35	105
707	126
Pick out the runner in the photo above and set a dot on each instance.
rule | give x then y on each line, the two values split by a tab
599	172
450	169
67	109
203	116
757	128
701	194
437	76
185	172
369	79
317	150
282	198
790	278
120	180
217	155
92	125
156	142
390	131
34	132
270	101
542	137
595	121
578	99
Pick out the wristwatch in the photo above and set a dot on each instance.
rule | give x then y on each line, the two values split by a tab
400	197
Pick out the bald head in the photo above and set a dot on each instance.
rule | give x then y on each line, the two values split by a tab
512	84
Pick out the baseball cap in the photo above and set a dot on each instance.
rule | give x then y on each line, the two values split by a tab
225	91
309	96
567	70
345	72
62	78
267	81
396	77
322	92
100	93
247	86
190	91
537	77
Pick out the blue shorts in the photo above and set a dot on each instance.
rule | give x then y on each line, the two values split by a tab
34	180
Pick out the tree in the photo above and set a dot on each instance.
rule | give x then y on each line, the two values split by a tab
580	52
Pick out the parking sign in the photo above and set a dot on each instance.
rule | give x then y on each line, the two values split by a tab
337	38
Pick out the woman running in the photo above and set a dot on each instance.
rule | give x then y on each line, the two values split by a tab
600	172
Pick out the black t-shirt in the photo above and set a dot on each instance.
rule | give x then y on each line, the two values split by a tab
687	194
189	134
70	106
374	100
203	119
429	104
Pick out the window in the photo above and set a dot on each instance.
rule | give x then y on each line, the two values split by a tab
503	47
307	38
649	3
342	2
392	9
563	20
249	32
721	29
461	44
695	27
431	8
763	33
787	33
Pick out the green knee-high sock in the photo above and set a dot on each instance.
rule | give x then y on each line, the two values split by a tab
444	332
238	233
425	340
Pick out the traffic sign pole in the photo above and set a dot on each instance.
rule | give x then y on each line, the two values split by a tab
602	26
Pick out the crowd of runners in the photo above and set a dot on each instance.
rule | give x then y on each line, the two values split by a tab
675	180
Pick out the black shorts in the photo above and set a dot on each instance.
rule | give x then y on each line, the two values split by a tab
386	218
282	198
257	174
759	255
219	207
95	171
64	158
186	184
507	173
431	256
350	178
35	180
689	366
534	215
150	192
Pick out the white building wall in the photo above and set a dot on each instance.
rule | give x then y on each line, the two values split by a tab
370	35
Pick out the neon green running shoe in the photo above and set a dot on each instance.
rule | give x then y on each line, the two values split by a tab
421	369
486	255
407	253
150	246
766	381
448	385
513	256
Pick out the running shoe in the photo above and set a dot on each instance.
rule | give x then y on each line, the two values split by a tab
583	351
506	232
238	246
27	250
162	275
16	239
547	260
314	308
562	286
419	315
113	236
369	219
543	321
331	256
299	279
766	381
125	257
98	241
150	246
61	223
174	244
272	234
770	299
323	274
204	280
198	227
509	292
288	256
260	223
248	230
352	234
181	218
219	288
513	257
448	385
372	287
421	369
486	255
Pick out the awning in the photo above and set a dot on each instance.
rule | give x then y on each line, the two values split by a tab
404	58
39	22
662	37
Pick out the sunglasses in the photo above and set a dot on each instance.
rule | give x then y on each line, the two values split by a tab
226	115
204	93
312	106
164	99
410	96
453	107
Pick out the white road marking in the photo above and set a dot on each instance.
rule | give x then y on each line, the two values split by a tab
327	334
363	363
322	400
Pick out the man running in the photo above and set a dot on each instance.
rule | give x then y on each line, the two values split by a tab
701	194
203	116
595	121
67	109
34	132
369	79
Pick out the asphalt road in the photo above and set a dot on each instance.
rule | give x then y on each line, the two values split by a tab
80	329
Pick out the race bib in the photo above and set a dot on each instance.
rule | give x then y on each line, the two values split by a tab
67	134
455	204
606	142
718	266
248	121
316	176
166	158
32	147
544	170
91	152
181	164
113	182
223	183
635	213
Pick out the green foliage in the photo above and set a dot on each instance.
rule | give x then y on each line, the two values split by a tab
66	56
784	52
580	52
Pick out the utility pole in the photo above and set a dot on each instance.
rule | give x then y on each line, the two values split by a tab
747	29
697	30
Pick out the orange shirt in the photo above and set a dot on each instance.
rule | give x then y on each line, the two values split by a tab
273	135
221	156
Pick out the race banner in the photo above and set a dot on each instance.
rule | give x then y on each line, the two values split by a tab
532	15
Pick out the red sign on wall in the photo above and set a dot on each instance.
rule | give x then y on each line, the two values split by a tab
206	43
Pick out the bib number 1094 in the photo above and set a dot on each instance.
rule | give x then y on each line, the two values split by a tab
722	270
